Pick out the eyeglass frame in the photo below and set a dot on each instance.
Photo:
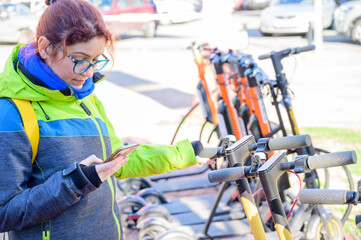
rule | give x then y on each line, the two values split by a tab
75	61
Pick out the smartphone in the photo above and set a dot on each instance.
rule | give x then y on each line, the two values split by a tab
122	151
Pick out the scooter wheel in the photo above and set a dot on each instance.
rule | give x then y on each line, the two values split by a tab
133	185
336	230
128	206
152	196
175	235
154	211
152	228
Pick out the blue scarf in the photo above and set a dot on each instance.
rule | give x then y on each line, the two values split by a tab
39	69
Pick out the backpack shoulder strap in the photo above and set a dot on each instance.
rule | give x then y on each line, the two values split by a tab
30	122
92	97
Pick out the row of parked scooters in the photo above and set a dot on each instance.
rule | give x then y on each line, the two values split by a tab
253	199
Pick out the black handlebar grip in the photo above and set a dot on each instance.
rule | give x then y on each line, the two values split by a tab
227	174
264	56
331	160
358	221
304	49
210	152
290	142
325	196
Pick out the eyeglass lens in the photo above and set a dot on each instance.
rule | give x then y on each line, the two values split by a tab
83	66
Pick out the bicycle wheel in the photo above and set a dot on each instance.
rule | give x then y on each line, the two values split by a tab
340	181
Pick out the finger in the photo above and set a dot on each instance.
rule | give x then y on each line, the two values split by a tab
92	159
105	170
205	161
210	161
118	163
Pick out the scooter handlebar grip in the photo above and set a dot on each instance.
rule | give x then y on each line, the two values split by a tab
325	196
304	49
290	142
209	152
358	221
227	174
264	56
331	160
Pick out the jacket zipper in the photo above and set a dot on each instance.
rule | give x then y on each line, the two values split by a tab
87	111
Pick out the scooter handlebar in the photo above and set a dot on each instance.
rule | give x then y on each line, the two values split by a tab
290	142
331	160
288	51
264	56
358	221
210	152
227	174
303	49
326	196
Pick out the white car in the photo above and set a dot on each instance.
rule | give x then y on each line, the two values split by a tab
177	11
293	16
17	23
348	20
256	4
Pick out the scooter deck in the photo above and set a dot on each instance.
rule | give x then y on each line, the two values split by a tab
227	229
197	203
269	236
193	170
190	184
222	229
190	204
201	216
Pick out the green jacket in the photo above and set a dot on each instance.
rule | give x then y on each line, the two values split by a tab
42	198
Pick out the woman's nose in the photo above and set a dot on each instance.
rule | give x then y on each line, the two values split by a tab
89	73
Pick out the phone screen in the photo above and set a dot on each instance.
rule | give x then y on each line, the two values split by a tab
122	151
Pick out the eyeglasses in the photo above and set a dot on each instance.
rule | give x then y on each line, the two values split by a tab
81	66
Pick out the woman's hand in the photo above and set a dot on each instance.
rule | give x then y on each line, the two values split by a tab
92	159
197	147
203	161
105	170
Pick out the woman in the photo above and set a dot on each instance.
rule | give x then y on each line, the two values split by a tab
67	193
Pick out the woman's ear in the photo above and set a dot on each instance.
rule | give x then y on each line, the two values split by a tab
43	44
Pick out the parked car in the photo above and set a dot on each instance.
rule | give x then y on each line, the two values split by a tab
347	20
128	16
177	11
256	4
293	16
17	23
